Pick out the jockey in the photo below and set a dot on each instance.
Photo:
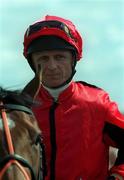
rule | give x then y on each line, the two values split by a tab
78	120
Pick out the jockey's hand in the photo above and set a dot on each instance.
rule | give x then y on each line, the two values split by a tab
115	177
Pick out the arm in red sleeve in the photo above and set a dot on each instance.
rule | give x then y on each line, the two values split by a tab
114	128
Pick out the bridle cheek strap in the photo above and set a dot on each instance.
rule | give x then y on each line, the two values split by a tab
7	131
11	162
10	146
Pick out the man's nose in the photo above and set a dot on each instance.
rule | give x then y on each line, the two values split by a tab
52	64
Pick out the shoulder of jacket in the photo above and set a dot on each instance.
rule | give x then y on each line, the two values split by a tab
87	84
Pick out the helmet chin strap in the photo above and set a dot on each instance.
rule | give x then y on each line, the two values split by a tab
70	78
64	83
55	91
67	81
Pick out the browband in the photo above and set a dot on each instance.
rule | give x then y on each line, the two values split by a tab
16	107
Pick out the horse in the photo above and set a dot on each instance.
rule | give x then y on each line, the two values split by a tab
21	146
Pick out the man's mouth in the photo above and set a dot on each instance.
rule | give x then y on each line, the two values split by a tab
52	75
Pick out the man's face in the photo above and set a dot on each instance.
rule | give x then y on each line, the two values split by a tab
56	66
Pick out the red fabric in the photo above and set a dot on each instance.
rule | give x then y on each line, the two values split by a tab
80	118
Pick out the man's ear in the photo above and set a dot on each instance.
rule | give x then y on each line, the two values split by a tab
33	87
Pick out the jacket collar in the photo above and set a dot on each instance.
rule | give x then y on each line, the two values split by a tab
64	94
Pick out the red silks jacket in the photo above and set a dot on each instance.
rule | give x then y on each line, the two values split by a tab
78	130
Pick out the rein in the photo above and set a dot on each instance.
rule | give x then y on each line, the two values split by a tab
12	158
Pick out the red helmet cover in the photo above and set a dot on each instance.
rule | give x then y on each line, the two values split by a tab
75	39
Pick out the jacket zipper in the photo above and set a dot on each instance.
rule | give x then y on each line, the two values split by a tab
53	139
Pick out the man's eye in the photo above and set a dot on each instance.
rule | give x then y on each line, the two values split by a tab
43	59
60	57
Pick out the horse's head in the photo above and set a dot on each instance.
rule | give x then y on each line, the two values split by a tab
23	159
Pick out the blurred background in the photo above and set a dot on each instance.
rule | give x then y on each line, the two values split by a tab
101	23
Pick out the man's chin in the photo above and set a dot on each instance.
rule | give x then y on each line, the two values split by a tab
53	85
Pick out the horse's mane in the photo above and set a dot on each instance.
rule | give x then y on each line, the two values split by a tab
16	97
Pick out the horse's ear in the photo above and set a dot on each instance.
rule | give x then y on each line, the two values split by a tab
33	87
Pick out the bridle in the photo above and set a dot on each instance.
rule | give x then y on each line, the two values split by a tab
15	159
